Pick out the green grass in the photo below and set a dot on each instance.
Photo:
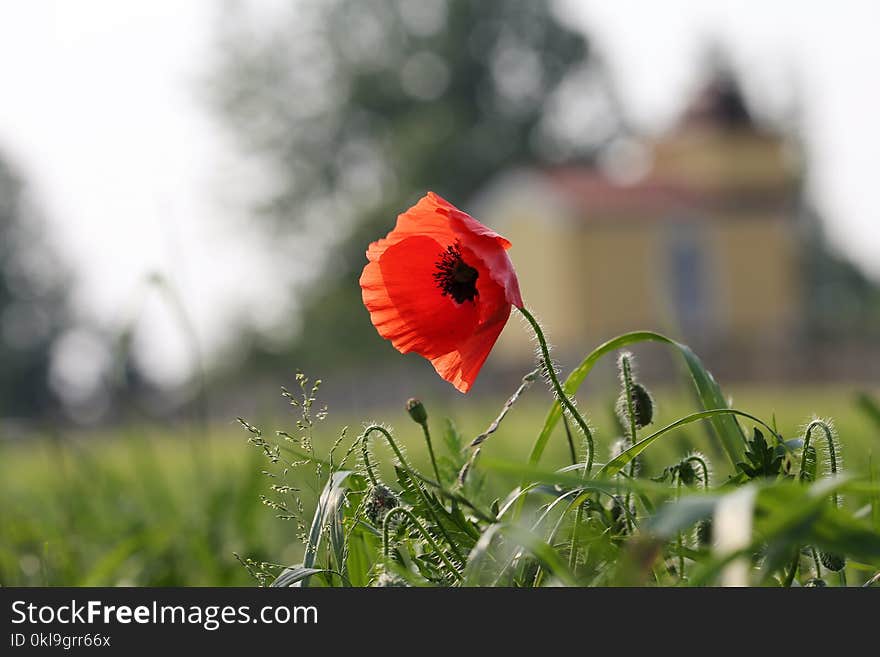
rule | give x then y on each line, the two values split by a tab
155	506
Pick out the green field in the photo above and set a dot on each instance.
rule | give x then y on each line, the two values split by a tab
160	506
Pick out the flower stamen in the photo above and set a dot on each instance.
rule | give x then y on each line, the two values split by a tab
455	277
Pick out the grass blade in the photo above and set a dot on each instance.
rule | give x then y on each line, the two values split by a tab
616	464
294	574
329	507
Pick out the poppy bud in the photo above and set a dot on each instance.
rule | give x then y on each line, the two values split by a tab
619	514
687	473
380	500
704	532
833	562
417	411
642	405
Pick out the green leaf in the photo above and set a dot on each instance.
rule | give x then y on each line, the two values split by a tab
294	574
460	530
616	464
572	479
329	510
762	460
452	438
789	515
677	516
514	535
869	407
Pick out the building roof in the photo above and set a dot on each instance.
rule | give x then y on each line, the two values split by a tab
597	195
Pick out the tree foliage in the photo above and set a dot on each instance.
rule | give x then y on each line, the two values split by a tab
33	309
354	108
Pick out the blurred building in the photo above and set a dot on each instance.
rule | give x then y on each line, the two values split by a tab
694	234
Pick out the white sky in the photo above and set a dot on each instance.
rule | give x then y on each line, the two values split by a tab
100	106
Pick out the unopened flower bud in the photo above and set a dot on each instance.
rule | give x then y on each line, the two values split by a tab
380	500
704	532
417	411
642	406
833	562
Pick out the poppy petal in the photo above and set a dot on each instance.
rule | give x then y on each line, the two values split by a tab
409	306
405	304
462	366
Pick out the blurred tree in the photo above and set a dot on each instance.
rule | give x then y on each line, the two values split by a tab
356	107
33	309
842	302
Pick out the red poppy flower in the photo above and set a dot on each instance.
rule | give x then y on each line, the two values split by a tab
441	285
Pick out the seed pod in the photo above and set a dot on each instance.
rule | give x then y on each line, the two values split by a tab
380	500
416	410
832	561
815	582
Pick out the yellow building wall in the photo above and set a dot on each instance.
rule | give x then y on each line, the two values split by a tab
758	267
588	281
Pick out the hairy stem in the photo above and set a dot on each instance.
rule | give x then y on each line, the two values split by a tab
557	388
704	466
626	367
416	479
386	537
427	433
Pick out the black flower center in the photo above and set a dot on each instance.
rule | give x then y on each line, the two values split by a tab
455	277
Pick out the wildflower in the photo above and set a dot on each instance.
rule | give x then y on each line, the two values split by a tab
441	285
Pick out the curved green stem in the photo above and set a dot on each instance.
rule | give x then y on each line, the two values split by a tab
571	448
704	466
832	451
416	479
367	464
386	537
557	388
626	368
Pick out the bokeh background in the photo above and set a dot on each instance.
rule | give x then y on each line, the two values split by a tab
187	191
